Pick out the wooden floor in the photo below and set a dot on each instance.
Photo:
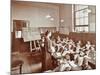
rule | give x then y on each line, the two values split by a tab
32	62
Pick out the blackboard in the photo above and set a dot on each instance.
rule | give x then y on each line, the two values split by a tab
30	34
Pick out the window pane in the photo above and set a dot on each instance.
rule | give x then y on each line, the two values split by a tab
86	29
77	21
81	29
79	7
82	6
81	13
81	21
86	21
77	14
85	12
77	29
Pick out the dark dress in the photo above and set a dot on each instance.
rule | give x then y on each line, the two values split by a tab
46	56
49	65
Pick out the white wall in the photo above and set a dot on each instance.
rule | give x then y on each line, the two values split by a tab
35	13
66	15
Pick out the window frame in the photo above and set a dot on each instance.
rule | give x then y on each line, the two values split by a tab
80	25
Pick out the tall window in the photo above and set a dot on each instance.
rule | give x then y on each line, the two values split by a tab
81	18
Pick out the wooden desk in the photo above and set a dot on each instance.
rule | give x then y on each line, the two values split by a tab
17	65
92	64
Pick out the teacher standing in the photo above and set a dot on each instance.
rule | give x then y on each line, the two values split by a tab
46	53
